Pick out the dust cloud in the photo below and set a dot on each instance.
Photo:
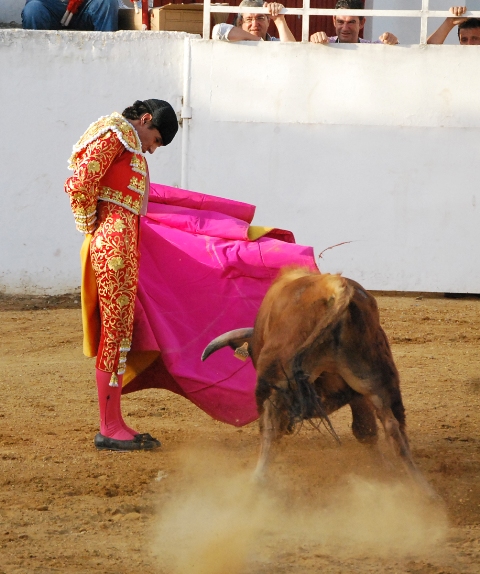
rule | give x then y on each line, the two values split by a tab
217	520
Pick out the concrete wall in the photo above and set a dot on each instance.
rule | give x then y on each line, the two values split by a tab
376	145
372	145
58	83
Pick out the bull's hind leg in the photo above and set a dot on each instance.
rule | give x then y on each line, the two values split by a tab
396	435
381	388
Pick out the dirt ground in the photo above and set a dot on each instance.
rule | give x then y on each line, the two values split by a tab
190	506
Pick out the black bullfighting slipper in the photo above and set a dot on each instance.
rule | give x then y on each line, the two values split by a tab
147	436
139	442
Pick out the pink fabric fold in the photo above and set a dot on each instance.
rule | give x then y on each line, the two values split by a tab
200	277
200	201
210	223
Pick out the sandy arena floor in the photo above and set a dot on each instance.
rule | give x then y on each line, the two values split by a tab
190	507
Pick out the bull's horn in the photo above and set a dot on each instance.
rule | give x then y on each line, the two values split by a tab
232	339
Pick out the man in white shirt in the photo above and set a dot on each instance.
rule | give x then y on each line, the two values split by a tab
253	27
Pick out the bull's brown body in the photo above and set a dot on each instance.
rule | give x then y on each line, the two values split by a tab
317	345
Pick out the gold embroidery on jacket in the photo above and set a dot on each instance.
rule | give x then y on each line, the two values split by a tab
137	184
119	225
127	201
138	164
83	185
98	130
94	167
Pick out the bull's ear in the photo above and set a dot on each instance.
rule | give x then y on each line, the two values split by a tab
242	352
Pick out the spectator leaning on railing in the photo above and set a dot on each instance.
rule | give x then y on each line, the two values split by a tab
468	28
253	27
96	15
348	28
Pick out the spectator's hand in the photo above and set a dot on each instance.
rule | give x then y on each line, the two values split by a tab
274	8
388	38
319	38
440	35
457	11
284	32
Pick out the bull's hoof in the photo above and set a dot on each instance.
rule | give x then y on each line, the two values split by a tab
259	477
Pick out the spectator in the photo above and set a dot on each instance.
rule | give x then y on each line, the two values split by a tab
98	15
348	28
253	27
468	28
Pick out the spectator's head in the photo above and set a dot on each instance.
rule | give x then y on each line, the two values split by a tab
469	32
348	27
256	24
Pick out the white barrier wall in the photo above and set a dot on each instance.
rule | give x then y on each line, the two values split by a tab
372	145
54	84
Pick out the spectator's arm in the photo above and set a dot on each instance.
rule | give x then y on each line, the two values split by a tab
441	33
284	32
388	38
229	33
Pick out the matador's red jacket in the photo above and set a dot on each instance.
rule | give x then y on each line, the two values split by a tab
108	164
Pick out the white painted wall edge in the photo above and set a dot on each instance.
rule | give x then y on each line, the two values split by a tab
402	192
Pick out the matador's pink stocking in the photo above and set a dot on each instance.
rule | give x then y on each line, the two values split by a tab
109	398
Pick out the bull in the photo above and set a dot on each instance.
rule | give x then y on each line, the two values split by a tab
317	345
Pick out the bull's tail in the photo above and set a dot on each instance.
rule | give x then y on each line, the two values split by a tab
233	339
340	292
304	401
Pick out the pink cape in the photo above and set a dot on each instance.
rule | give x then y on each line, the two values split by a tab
201	276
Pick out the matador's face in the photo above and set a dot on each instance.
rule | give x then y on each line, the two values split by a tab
150	137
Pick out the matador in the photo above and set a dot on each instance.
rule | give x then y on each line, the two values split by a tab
108	192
